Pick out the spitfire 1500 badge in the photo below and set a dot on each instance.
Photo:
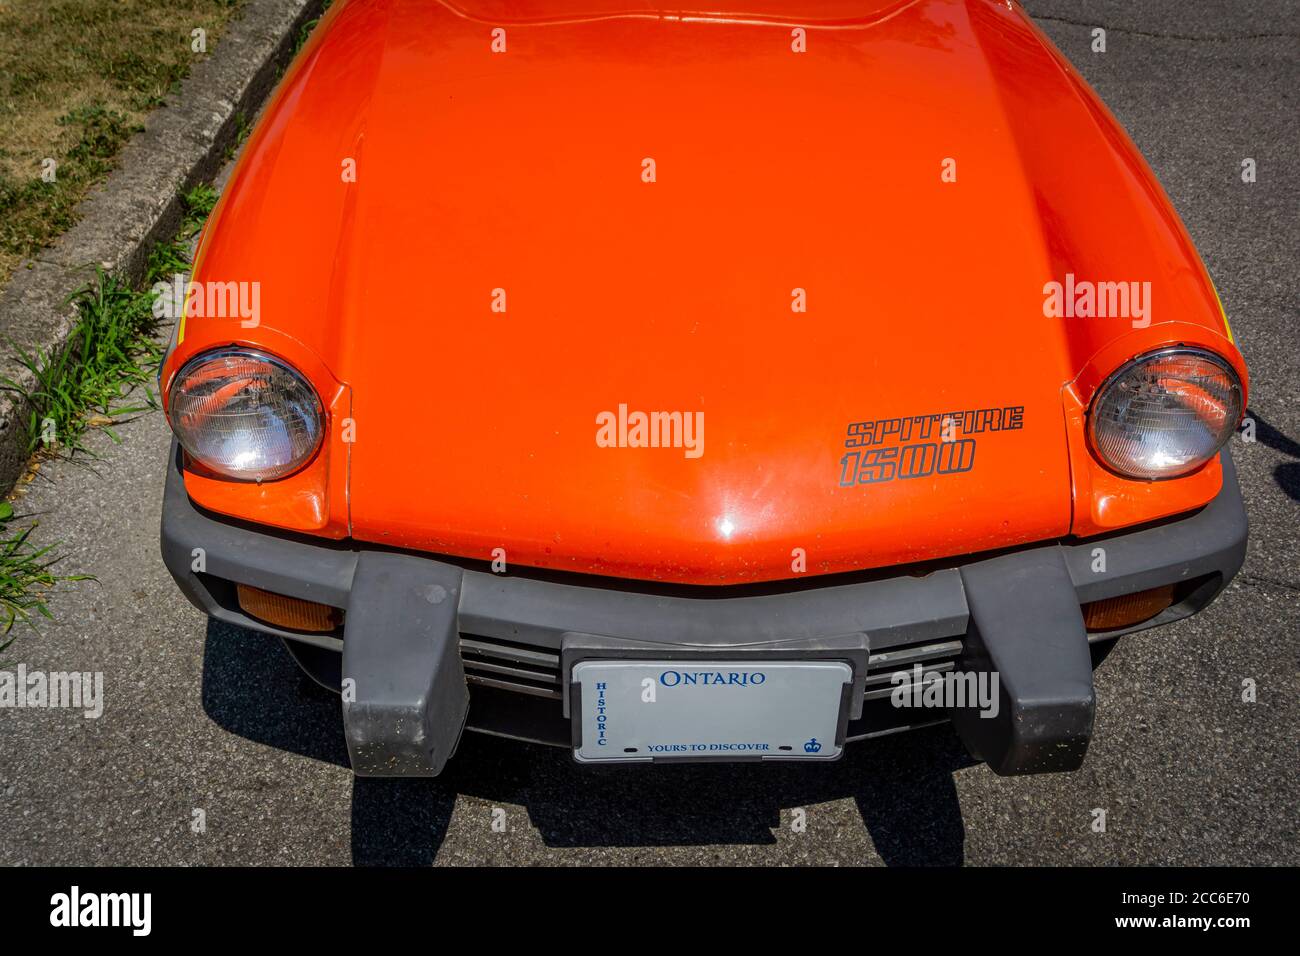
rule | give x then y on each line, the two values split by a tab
919	445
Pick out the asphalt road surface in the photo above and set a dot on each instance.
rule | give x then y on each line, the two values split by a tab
207	718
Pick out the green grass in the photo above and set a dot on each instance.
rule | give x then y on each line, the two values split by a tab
168	258
242	130
26	580
305	31
111	351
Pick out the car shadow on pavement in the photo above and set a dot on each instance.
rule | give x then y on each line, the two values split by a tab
902	785
252	687
399	822
1287	474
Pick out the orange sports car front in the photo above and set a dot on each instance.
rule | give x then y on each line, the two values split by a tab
716	384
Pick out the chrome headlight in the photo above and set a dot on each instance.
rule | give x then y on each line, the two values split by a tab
245	414
1165	413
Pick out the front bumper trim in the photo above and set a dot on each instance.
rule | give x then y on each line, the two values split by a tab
1017	612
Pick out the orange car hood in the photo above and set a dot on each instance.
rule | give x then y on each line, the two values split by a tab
518	180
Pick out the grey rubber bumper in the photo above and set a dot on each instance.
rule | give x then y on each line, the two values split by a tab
1026	629
404	692
1016	615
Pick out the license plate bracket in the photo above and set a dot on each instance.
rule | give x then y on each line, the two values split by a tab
776	702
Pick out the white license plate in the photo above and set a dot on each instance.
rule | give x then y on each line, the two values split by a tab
709	710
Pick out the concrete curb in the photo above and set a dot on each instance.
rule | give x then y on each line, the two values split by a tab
183	143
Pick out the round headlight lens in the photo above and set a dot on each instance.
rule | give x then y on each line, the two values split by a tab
1166	413
245	414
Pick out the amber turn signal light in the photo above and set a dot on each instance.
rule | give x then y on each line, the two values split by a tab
289	612
1128	609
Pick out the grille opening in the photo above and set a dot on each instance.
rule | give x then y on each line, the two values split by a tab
508	665
513	679
938	658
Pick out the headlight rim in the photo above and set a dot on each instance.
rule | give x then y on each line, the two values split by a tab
1201	352
261	354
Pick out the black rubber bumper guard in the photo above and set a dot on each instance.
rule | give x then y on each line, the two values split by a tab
405	697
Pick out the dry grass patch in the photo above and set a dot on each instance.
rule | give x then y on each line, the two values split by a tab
77	78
